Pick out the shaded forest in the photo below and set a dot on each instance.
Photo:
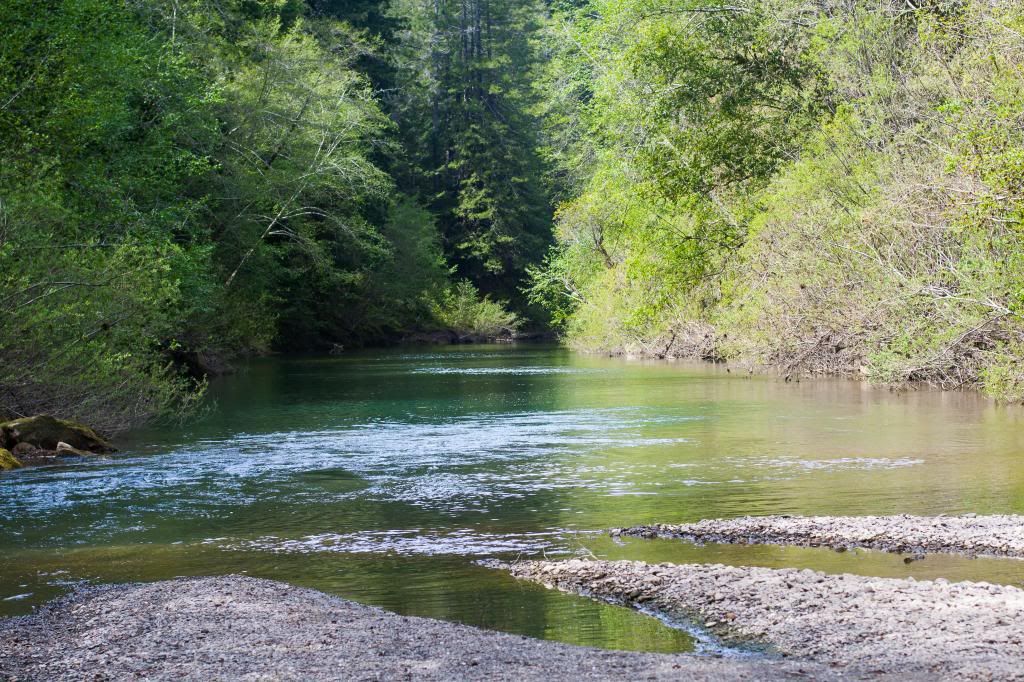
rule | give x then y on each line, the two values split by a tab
186	183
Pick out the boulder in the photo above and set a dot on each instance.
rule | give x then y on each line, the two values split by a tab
45	432
23	449
8	461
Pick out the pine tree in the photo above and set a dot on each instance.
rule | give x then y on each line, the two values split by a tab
464	102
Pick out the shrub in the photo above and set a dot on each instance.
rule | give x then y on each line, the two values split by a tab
463	310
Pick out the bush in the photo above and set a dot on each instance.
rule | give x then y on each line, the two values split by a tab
463	310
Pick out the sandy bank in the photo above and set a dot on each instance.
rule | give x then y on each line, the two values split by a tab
969	534
233	628
861	625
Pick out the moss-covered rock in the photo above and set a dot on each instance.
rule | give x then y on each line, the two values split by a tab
45	432
8	461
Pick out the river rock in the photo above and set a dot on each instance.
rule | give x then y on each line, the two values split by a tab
45	432
916	536
862	626
8	461
65	450
22	449
239	628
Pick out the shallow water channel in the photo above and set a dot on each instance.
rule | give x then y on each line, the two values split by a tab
384	476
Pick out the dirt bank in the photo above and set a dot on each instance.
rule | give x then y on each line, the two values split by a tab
968	534
861	625
233	627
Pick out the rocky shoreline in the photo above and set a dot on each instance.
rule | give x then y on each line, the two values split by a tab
809	625
42	440
235	627
857	625
1001	536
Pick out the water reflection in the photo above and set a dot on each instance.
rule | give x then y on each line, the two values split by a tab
384	476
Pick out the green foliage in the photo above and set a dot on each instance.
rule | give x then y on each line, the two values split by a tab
1001	377
551	288
878	251
680	112
399	293
825	189
297	186
95	241
189	178
462	309
463	97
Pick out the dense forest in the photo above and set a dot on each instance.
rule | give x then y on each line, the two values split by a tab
826	186
821	187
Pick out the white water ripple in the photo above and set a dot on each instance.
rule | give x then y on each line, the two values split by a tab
396	459
463	542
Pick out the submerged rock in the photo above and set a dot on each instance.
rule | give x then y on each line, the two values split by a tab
8	461
46	433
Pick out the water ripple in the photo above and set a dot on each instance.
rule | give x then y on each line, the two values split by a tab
404	542
411	462
484	371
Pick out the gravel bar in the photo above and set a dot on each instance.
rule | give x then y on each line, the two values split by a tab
240	628
1001	536
859	624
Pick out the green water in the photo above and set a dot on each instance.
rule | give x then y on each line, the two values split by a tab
386	476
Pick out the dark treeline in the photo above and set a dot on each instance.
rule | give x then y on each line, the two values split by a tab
458	80
187	182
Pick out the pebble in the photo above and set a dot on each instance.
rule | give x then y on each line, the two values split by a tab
241	628
970	534
861	624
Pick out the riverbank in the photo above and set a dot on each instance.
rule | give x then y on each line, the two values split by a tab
237	627
996	535
858	625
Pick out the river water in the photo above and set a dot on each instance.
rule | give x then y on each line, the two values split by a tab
386	476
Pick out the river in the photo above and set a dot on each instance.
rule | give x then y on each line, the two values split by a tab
386	476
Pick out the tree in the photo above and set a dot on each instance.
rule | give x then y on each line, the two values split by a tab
464	105
96	243
186	181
